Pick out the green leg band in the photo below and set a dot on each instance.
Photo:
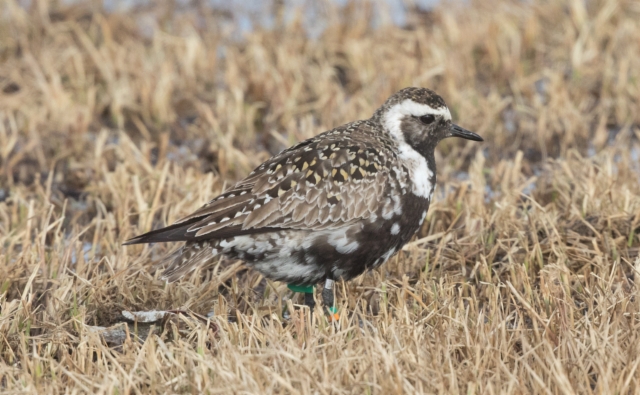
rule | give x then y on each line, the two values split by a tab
307	289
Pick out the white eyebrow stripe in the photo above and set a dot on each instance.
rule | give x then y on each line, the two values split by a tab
393	116
409	107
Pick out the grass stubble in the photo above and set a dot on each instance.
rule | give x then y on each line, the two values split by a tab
523	279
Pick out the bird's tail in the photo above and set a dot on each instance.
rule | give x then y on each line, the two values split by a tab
185	259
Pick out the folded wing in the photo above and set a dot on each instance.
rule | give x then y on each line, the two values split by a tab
329	181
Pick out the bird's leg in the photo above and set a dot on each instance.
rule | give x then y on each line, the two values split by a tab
309	300
328	300
307	290
327	293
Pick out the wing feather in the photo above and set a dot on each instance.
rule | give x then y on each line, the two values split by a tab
330	181
222	203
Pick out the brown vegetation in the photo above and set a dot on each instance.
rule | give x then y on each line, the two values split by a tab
523	280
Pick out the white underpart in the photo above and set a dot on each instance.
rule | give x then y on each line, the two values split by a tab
387	210
388	254
395	229
416	163
341	242
419	172
280	264
424	215
337	272
397	205
263	243
287	268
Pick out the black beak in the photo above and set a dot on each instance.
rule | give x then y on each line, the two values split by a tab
457	131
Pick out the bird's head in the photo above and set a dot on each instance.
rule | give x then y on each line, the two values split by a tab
420	118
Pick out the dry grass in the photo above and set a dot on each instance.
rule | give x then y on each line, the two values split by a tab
524	279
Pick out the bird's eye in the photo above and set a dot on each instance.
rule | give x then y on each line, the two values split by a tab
427	119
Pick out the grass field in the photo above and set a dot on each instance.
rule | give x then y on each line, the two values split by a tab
524	279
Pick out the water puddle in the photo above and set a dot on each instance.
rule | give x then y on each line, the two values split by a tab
245	16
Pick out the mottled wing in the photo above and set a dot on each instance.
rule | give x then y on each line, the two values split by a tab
329	181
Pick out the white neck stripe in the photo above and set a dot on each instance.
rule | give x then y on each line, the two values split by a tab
419	172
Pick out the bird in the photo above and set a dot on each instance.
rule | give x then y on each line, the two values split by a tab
328	208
